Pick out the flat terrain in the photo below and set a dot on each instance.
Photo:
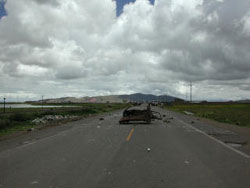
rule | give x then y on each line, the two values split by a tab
15	120
232	113
180	152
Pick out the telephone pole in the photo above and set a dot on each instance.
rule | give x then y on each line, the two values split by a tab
186	93
4	104
191	92
42	101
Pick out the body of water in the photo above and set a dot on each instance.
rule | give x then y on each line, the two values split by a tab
32	106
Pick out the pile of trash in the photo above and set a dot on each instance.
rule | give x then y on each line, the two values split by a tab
167	119
52	118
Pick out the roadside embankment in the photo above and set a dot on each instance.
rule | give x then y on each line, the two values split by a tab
19	120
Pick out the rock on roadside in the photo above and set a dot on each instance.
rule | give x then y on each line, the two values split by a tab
52	118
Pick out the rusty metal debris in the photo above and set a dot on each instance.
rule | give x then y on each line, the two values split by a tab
166	121
138	114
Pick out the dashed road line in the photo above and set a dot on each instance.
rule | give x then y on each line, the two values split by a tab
130	134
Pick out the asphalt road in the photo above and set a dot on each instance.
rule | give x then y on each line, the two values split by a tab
93	153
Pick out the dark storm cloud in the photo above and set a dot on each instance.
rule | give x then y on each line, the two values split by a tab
81	48
50	2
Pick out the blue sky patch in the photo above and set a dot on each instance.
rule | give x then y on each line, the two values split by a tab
120	4
3	12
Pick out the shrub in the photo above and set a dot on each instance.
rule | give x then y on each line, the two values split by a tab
19	117
4	123
48	112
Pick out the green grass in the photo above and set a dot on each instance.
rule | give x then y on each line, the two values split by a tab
237	114
20	119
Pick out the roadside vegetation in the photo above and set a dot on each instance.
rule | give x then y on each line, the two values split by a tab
19	119
237	114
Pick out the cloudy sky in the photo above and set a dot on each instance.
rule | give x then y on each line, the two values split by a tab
78	48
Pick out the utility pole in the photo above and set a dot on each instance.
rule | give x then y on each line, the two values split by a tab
191	92
186	93
4	104
42	101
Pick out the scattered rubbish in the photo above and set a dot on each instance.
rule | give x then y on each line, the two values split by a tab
236	142
188	113
26	142
101	119
139	114
192	122
166	121
34	182
187	162
235	145
31	129
148	149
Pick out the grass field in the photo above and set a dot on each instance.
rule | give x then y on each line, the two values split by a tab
18	119
237	114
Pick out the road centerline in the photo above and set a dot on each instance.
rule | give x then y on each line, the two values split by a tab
130	134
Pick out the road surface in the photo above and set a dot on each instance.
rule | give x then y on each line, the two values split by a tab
94	153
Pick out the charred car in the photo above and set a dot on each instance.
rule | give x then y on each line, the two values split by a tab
139	114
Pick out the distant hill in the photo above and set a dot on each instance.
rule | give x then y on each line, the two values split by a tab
137	97
244	101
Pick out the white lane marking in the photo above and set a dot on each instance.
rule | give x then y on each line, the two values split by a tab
216	140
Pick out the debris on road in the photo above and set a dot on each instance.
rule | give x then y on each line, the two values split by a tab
166	121
188	113
235	145
31	129
148	149
34	182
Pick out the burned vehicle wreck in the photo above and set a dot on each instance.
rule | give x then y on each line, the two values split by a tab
138	113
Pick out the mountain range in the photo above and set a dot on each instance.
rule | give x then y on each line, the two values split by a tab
137	97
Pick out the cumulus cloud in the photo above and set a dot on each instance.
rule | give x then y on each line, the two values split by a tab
76	48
